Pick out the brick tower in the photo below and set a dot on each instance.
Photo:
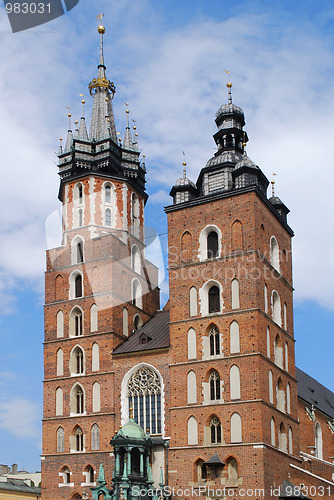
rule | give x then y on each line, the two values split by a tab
98	288
232	374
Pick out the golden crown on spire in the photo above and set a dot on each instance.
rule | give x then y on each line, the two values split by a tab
102	82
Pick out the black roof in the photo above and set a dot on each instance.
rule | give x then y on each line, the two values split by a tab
315	393
18	485
154	334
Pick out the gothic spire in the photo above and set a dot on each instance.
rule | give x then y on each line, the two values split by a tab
127	142
103	92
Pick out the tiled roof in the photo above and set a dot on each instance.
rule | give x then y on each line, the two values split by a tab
154	334
314	393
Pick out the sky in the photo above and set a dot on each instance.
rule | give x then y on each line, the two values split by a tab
167	60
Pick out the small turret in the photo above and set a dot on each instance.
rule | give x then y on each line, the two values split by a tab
184	190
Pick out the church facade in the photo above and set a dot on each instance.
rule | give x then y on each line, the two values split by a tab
211	377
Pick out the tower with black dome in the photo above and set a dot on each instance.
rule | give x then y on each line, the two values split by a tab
232	372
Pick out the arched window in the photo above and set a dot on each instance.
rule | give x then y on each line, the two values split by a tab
236	432
234	337
79	439
282	438
214	299
79	193
280	394
137	322
59	401
288	398
89	474
278	352
108	217
95	437
215	431
286	357
77	400
232	472
60	440
65	474
78	286
60	324
191	388
125	322
235	294
60	363
318	441
76	322
80	257
271	388
192	350
135	259
212	245
107	194
272	432
214	341
135	214
214	381
276	308
80	217
200	471
59	287
193	301
192	431
186	247
77	250
265	299
274	253
268	342
144	395
77	361
234	382
290	441
285	321
93	318
137	294
96	397
237	236
95	357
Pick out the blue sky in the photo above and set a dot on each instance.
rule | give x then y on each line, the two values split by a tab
167	60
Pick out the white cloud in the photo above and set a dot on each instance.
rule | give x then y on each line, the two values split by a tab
20	417
174	81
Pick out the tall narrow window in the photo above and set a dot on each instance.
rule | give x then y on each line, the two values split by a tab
80	217
193	301
79	252
93	318
60	364
77	361
282	438
288	398
265	299
107	194
78	286
135	260
290	441
234	382
214	341
191	388
236	431
215	431
278	352
60	440
286	356
318	441
235	293
192	351
60	324
192	431
77	399
186	247
79	194
108	217
276	308
144	396
271	388
137	322
214	381
234	337
137	294
268	342
285	321
274	253
214	300
79	444
237	236
125	322
212	245
280	395
95	437
95	357
272	432
76	322
96	397
59	401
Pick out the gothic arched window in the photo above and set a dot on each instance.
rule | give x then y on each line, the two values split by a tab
60	440
95	437
214	381
108	217
212	245
215	430
144	394
214	341
214	301
78	286
107	194
79	444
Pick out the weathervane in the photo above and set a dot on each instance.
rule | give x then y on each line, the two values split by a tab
229	86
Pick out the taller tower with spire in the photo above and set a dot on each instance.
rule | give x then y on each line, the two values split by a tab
99	287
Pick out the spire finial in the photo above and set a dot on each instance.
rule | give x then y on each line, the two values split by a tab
244	144
273	186
127	114
131	412
184	165
229	86
83	104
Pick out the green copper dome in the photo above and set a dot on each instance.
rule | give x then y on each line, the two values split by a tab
132	430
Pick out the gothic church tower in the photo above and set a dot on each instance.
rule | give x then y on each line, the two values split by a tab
98	289
231	323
